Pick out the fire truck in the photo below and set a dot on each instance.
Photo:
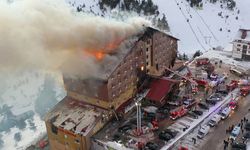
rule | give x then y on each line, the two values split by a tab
232	85
202	61
178	112
244	91
233	105
201	82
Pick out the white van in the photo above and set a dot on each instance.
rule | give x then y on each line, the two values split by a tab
215	120
225	113
203	131
235	132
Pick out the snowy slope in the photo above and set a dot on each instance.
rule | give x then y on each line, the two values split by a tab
205	23
202	32
21	92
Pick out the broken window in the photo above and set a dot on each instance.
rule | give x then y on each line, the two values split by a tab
54	129
77	141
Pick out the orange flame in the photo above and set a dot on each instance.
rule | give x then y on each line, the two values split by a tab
100	54
97	54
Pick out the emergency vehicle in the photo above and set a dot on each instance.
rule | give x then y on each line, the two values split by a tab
244	91
178	112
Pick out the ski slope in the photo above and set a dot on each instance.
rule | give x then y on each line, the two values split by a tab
202	30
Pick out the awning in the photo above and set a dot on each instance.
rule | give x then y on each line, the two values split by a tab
159	88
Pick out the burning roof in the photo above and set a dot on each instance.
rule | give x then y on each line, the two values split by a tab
110	61
74	116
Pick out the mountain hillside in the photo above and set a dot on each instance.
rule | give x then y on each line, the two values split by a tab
206	25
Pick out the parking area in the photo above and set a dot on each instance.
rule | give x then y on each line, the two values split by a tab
177	122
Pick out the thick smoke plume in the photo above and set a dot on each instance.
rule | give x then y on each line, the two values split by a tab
47	34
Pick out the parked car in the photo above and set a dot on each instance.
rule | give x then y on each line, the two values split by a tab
167	134
234	134
223	92
197	112
239	146
239	71
225	112
215	120
124	128
173	133
151	146
203	131
203	106
246	136
193	115
214	98
247	126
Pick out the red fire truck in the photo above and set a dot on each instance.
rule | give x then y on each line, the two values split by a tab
232	85
233	105
244	91
202	61
178	112
201	82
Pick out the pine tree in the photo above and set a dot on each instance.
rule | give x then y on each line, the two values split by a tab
197	53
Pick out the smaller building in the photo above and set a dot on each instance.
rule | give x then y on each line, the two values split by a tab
71	124
241	45
159	90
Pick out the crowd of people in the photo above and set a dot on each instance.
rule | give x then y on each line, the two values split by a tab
230	129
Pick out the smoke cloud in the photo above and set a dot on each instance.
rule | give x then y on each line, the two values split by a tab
47	34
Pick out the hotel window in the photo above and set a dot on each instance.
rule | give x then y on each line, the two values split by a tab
238	49
77	141
141	52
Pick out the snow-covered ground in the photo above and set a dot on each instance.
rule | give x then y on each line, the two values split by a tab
24	99
226	57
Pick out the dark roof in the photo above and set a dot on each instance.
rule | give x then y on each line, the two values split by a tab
243	34
159	88
150	30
